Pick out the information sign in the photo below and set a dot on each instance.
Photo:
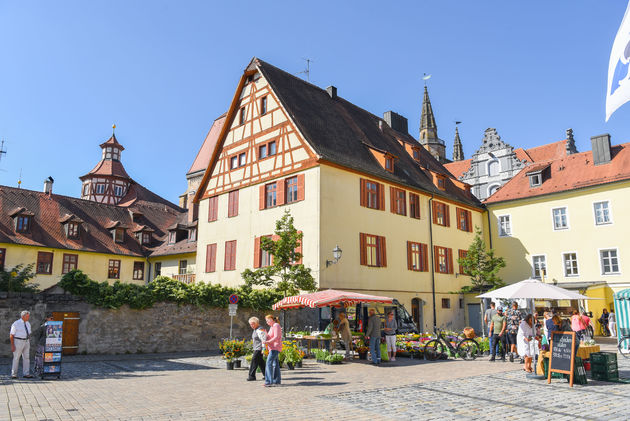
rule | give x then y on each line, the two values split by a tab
52	349
562	359
232	309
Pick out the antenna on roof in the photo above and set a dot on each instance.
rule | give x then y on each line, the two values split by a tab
307	72
2	150
425	78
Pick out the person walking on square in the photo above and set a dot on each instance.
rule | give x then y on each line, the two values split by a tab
604	321
513	319
373	334
259	336
346	335
525	339
497	327
390	335
274	343
612	323
488	315
20	336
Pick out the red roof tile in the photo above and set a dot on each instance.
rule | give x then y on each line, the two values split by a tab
458	168
568	173
205	153
108	167
112	141
547	152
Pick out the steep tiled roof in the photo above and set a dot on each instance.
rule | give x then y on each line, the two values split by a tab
546	152
108	167
339	131
458	168
112	141
50	211
205	153
568	173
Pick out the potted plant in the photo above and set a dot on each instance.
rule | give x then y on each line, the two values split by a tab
232	349
361	349
334	359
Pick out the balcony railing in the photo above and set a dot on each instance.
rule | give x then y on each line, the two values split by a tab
188	278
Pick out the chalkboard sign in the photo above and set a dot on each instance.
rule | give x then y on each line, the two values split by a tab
562	357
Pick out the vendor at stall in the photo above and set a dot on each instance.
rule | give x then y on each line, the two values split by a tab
344	331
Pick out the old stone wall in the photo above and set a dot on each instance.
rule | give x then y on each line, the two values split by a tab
165	327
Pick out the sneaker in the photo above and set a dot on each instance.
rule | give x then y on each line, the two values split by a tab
511	357
28	376
393	358
249	379
492	358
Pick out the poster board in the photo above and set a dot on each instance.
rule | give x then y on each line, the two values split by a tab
52	349
562	355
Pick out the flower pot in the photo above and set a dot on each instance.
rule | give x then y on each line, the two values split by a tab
237	364
290	366
298	364
229	365
363	355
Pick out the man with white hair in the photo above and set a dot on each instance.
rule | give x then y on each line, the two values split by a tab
259	336
20	336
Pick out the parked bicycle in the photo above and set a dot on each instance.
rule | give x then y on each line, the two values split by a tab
624	342
441	348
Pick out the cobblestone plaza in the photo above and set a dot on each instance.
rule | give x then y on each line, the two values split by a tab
198	387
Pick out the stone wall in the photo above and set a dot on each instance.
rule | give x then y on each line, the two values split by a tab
165	327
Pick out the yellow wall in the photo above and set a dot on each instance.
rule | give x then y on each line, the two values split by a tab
533	234
95	265
170	264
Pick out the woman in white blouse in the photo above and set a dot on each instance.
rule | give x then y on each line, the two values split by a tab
525	341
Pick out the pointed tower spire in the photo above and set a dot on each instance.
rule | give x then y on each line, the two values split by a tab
458	149
428	128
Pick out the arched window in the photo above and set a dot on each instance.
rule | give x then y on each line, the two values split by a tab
494	167
493	188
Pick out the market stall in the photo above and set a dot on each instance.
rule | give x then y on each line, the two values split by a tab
622	312
325	298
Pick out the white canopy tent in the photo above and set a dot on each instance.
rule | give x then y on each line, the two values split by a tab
534	289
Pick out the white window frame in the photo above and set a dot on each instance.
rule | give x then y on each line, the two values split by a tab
511	233
564	266
531	176
610	216
492	186
553	218
534	266
492	161
601	262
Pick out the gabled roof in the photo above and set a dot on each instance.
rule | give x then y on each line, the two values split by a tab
567	173
205	153
51	211
339	131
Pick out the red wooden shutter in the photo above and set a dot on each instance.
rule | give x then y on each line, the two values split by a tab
298	249
261	199
363	201
392	199
409	256
381	196
233	203
447	216
449	259
211	254
228	252
382	250
434	211
281	187
462	254
458	212
257	252
436	258
300	193
469	221
363	253
212	208
425	257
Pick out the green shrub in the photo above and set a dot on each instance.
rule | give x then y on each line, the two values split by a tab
17	279
163	289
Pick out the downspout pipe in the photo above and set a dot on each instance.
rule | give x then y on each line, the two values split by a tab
432	261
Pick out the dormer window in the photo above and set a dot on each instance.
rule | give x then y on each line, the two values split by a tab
23	223
535	179
143	237
389	163
72	230
192	234
172	237
440	181
416	154
119	235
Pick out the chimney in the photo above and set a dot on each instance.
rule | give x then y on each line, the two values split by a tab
396	121
48	185
601	149
332	91
570	145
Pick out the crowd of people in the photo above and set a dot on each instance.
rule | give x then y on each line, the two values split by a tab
514	334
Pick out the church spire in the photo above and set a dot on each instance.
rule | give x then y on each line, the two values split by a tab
458	150
428	128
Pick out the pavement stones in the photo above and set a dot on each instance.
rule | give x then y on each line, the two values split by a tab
189	386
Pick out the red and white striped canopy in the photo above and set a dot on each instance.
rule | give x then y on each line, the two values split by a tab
329	297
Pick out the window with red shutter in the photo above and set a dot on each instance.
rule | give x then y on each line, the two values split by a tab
462	255
233	203
464	220
373	250
211	257
398	201
443	259
417	256
301	193
441	214
213	206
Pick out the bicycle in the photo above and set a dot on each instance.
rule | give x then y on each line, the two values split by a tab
440	348
624	342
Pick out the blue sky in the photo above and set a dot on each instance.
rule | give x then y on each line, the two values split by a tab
164	70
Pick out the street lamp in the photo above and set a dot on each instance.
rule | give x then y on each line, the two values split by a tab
336	256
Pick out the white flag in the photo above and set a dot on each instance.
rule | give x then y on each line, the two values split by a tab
618	89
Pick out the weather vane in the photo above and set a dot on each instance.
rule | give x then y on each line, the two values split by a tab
114	128
425	78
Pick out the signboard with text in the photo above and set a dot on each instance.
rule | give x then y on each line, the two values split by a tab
52	349
562	358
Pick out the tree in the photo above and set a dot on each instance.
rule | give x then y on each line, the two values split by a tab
17	279
482	266
288	276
